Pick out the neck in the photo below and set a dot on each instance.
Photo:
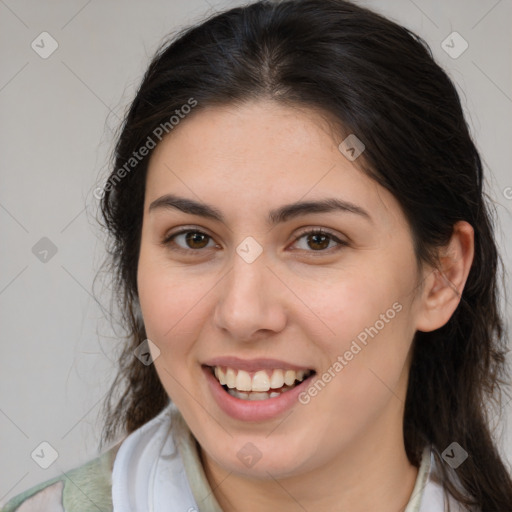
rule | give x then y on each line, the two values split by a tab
377	477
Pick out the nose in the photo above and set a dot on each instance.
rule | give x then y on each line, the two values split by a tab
250	301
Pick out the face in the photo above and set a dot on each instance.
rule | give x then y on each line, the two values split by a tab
317	326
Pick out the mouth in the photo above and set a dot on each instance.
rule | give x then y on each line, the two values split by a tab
263	384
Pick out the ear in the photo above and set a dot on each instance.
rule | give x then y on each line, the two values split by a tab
443	286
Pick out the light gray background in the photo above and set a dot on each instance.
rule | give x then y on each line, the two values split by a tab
58	116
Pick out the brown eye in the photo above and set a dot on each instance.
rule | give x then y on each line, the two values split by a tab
319	240
195	239
191	240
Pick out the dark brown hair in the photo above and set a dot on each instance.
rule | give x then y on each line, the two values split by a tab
380	82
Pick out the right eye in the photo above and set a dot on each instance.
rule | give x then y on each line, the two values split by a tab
192	240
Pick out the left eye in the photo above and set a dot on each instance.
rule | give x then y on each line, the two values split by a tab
319	237
197	240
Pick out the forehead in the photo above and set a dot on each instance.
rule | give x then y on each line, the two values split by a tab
249	134
260	155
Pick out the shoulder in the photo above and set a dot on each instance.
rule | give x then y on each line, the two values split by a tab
85	487
436	496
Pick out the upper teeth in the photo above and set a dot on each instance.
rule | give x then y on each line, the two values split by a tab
261	380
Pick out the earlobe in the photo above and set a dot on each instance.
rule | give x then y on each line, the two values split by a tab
444	285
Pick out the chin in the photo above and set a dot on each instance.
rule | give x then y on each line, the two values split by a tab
259	457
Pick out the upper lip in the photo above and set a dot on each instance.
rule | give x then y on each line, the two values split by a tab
252	365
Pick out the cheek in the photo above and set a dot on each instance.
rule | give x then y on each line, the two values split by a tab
169	309
167	301
369	317
353	301
365	360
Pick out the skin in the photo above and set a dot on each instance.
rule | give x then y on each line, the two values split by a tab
344	450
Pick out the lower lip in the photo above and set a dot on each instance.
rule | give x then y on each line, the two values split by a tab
253	410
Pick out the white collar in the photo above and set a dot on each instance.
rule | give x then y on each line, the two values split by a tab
148	473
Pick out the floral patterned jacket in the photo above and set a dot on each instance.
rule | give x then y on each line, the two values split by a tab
82	489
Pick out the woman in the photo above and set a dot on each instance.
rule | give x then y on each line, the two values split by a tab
308	270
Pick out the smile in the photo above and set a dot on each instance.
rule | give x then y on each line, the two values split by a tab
258	385
255	390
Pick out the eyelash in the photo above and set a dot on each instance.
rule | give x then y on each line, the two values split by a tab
168	240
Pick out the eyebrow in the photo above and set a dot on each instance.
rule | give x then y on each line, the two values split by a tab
276	216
